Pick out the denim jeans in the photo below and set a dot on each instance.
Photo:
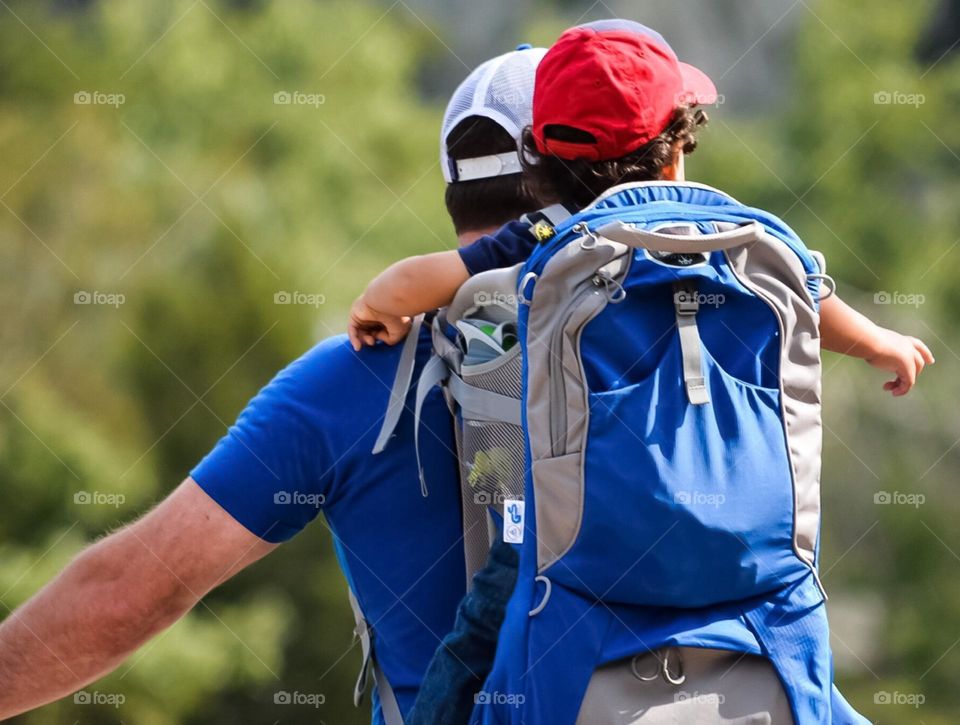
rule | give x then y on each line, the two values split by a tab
464	658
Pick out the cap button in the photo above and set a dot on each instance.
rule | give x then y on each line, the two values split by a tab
524	46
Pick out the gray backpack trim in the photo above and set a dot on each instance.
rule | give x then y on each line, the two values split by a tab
728	236
760	269
388	700
479	404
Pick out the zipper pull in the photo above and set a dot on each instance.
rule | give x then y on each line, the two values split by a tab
590	239
614	290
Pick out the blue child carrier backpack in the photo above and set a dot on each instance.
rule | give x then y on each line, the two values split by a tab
659	421
671	413
672	391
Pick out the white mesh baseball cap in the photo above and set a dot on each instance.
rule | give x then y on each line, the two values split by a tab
500	89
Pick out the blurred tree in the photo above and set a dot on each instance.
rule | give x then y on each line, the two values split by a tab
202	196
180	168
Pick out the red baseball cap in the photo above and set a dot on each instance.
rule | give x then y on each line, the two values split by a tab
618	81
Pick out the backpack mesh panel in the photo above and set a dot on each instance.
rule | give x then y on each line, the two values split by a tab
492	452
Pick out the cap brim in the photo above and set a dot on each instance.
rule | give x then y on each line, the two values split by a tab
698	89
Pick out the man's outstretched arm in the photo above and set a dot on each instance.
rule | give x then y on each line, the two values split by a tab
117	594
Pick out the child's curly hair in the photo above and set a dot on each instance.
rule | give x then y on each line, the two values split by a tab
581	181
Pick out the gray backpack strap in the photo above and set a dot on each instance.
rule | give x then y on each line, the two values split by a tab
543	221
556	214
388	701
480	404
434	373
401	385
686	302
361	632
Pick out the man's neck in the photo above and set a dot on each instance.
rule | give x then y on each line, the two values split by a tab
466	238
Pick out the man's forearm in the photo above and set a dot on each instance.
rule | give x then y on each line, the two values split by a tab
116	595
80	627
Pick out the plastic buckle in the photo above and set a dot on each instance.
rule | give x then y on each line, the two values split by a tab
687	301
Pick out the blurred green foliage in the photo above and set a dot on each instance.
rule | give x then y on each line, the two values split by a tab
199	198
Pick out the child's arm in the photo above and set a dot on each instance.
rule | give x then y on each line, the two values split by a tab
421	284
406	288
844	330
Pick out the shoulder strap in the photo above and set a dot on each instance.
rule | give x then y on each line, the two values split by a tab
401	385
434	373
543	222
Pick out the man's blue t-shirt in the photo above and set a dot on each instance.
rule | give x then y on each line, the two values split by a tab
303	446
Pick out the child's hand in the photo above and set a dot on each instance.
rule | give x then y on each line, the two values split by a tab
902	355
368	325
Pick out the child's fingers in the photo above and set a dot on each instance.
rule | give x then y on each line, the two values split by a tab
921	361
393	334
354	335
923	350
898	387
396	330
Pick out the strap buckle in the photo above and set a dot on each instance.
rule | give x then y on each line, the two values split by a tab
686	299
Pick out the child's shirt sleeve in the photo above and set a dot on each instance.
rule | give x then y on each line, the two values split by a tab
510	245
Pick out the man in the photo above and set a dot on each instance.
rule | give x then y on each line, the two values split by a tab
303	445
759	654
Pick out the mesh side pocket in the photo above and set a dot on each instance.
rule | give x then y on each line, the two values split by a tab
476	534
493	452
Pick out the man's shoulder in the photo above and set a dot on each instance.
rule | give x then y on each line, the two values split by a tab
334	363
332	376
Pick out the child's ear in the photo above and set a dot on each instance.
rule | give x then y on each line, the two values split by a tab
674	172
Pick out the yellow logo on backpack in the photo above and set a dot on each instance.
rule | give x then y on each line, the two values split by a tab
542	231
